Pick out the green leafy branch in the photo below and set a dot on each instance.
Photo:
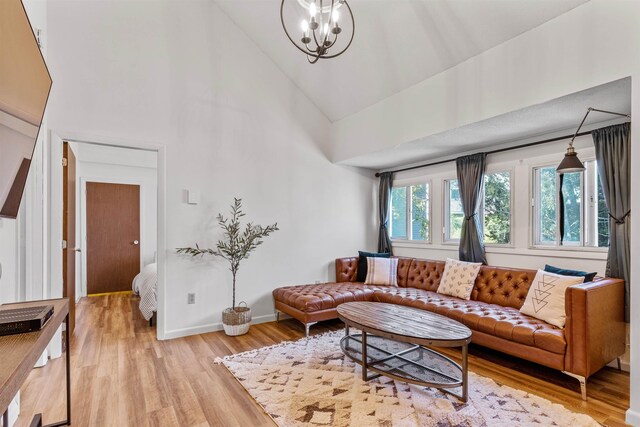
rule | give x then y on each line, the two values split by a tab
237	244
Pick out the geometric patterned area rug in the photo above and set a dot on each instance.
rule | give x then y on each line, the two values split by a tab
310	382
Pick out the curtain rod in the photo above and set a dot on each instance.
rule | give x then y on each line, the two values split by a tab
500	150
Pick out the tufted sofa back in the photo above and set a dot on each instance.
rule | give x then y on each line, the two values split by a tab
404	265
424	274
346	269
503	286
507	287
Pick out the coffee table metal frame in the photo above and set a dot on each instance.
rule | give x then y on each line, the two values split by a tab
418	343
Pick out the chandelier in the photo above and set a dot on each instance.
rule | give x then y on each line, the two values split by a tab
320	34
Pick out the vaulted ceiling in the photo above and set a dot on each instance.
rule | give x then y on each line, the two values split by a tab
397	44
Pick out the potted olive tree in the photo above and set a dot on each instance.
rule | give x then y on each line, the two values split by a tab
236	245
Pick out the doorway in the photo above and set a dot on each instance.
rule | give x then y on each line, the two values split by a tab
115	212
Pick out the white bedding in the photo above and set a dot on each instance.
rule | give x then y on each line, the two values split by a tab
145	284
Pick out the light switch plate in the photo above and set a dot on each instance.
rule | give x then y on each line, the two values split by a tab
193	197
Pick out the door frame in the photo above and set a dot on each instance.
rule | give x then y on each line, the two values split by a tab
54	213
83	222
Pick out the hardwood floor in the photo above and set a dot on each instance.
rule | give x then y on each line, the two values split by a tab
122	376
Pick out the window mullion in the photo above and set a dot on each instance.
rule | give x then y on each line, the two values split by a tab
557	195
409	218
583	205
536	207
446	205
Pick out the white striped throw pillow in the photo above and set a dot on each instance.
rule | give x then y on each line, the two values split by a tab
382	271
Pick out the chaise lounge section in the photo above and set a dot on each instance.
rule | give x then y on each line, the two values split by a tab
593	336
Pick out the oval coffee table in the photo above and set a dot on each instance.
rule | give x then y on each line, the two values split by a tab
399	342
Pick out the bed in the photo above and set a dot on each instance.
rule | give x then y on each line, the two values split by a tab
145	284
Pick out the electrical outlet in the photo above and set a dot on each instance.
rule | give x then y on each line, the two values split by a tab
317	282
191	298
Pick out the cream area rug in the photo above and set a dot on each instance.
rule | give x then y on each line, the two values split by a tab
310	382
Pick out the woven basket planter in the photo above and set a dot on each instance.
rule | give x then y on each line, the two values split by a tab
236	320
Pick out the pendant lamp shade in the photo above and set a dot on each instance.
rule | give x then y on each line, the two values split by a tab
570	163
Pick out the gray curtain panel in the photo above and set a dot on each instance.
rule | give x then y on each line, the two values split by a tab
613	152
471	182
384	199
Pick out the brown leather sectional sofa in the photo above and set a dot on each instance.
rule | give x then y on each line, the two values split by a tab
593	336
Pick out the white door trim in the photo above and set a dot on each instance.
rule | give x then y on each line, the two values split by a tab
55	209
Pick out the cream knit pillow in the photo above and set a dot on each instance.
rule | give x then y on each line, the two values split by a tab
458	278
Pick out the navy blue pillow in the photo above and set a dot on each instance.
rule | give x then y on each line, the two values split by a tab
588	277
361	274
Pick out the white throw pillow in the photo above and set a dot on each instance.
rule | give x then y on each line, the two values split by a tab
382	271
545	300
458	278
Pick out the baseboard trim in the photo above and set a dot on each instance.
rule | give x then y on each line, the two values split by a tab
212	327
633	417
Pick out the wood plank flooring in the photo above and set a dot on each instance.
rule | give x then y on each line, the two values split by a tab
122	376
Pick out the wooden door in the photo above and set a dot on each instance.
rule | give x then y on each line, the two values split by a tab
69	231
113	236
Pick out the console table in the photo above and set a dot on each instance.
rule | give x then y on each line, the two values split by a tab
21	351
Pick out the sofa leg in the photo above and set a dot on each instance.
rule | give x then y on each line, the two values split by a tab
583	383
619	363
277	316
306	328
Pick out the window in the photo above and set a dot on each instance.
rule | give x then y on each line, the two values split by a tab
495	210
410	212
399	213
453	211
584	219
597	217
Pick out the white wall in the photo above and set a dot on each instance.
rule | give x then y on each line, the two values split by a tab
633	415
97	163
181	75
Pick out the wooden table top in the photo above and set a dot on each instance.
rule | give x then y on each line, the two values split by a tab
398	321
19	352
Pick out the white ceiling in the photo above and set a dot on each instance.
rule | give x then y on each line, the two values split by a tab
561	114
397	44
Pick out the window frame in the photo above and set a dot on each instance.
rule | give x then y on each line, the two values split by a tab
512	186
446	210
409	213
590	210
588	234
